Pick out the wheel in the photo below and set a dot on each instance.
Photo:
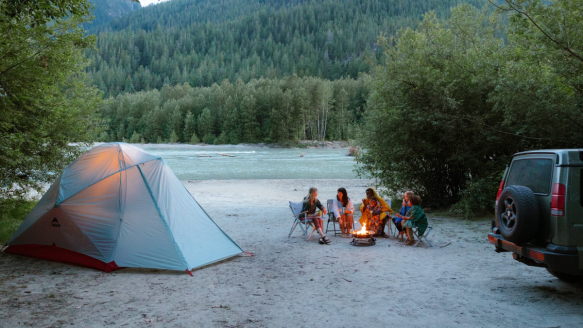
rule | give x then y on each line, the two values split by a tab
517	214
566	276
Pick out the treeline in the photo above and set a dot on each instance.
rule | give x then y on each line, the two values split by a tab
453	102
204	42
262	110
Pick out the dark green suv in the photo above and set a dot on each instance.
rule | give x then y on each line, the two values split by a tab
539	211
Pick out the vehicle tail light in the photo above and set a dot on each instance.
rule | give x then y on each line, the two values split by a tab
558	200
499	191
536	255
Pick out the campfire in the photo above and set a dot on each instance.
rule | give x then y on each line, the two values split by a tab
362	233
362	237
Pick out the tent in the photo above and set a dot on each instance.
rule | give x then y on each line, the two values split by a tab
118	206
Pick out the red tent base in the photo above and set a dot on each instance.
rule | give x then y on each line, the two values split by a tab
58	254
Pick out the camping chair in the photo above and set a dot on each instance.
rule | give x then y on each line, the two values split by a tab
332	218
422	238
392	228
391	225
303	224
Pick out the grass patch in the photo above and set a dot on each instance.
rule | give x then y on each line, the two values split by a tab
12	213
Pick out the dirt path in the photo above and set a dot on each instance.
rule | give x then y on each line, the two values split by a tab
293	283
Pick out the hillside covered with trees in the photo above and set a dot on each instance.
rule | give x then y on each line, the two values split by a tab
106	10
204	42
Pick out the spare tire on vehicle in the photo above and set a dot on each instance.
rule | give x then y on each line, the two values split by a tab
517	214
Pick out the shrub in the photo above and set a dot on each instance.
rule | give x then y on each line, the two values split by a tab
12	213
478	196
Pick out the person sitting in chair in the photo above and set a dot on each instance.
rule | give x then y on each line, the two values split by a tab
343	211
415	218
384	207
374	222
309	206
397	220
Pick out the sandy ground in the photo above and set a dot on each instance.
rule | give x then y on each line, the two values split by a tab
461	282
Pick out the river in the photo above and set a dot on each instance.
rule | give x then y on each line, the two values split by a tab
190	162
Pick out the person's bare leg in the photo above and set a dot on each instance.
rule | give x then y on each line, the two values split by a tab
410	236
348	218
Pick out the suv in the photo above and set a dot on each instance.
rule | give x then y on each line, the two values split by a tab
539	211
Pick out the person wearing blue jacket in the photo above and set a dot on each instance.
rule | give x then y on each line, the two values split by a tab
397	220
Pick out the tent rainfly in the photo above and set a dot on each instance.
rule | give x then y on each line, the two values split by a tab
118	206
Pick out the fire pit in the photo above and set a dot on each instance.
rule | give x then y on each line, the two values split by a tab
362	237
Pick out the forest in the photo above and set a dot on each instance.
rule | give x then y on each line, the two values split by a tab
263	110
204	42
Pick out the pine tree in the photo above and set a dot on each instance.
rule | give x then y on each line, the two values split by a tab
194	139
173	137
189	126
129	85
135	137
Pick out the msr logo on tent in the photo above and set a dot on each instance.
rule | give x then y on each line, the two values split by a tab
55	223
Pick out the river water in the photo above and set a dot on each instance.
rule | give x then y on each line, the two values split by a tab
254	162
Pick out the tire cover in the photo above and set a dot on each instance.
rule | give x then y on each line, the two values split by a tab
517	214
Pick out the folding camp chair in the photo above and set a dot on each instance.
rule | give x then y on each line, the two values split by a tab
389	222
332	218
304	224
391	225
422	238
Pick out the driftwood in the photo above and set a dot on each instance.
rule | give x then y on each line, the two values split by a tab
204	156
226	155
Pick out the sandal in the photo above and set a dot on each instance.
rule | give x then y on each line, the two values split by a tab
325	240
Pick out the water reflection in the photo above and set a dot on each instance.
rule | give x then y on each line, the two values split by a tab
252	162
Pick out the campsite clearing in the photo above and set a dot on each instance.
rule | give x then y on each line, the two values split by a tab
294	283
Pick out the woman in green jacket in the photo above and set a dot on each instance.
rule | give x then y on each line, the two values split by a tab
415	217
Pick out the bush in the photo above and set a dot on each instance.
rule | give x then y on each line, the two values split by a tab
12	213
104	137
478	196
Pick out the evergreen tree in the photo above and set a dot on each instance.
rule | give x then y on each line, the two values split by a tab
173	137
194	139
135	137
189	127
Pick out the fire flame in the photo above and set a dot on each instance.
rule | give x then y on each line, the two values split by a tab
362	230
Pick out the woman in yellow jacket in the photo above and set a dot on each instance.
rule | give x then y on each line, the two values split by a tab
370	193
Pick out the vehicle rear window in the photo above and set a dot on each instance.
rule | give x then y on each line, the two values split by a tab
532	173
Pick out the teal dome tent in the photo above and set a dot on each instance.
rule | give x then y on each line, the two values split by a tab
118	206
